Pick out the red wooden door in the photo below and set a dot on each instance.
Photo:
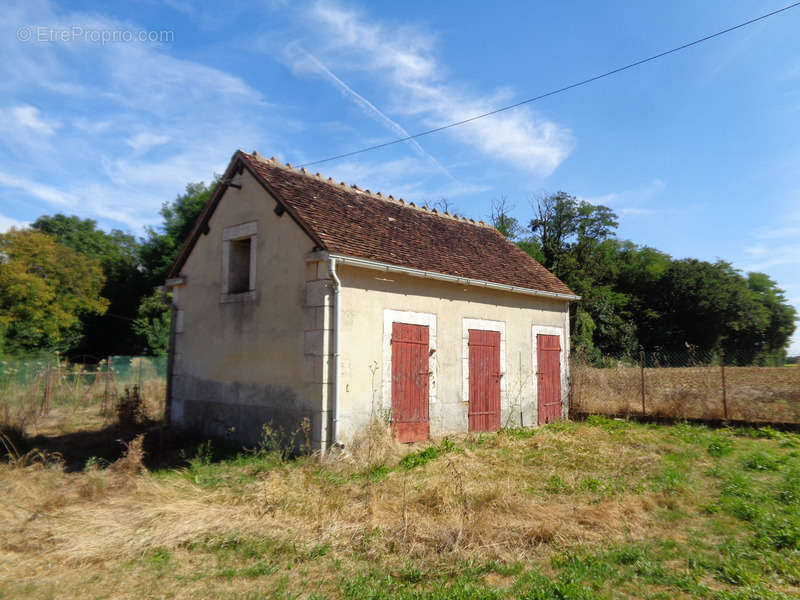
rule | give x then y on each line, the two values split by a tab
410	382
484	380
548	375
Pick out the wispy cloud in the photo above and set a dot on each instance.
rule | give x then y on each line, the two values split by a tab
403	60
138	126
30	118
24	129
765	258
404	178
777	246
303	61
777	233
638	201
145	140
32	189
756	250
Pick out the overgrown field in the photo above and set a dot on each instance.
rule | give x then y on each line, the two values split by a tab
753	394
58	397
600	509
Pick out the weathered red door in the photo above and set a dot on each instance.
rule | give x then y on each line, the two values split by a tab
548	375
484	380
410	382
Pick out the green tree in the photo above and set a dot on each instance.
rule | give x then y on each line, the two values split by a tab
45	289
707	306
638	270
575	239
161	245
772	340
636	296
570	233
501	219
125	282
152	323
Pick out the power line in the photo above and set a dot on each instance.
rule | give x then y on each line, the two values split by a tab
554	92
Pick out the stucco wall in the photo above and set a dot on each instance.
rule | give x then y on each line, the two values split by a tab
239	364
365	355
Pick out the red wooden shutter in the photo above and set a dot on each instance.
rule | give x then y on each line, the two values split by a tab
410	382
484	380
548	353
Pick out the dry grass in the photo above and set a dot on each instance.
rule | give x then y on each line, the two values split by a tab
754	394
56	396
72	406
503	497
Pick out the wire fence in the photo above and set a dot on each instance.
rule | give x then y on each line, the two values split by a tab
686	385
41	392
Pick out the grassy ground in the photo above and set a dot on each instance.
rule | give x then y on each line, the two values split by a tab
599	509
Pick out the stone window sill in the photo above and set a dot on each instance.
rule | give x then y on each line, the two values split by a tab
240	297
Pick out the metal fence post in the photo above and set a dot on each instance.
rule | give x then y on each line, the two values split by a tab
107	393
642	362
47	391
724	390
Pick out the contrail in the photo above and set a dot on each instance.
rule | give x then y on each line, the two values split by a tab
373	110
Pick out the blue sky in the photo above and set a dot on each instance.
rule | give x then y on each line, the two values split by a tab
698	152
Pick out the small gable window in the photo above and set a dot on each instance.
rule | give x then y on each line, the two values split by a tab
239	266
239	262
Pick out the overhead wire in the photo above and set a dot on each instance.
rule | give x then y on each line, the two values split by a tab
556	91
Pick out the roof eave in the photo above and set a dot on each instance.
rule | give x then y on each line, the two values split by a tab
201	224
388	267
237	165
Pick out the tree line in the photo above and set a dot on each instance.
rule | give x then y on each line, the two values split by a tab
637	297
68	286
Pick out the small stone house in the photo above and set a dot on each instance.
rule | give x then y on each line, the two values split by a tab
299	297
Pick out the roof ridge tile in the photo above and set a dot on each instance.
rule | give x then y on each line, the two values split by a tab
346	220
378	195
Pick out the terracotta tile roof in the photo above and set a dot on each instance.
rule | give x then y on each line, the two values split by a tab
346	220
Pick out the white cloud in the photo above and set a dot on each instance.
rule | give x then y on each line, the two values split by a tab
144	78
31	188
402	58
138	122
29	117
145	140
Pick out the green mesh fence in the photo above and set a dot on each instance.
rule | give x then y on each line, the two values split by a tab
35	390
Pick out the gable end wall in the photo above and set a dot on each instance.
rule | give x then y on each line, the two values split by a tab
239	363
